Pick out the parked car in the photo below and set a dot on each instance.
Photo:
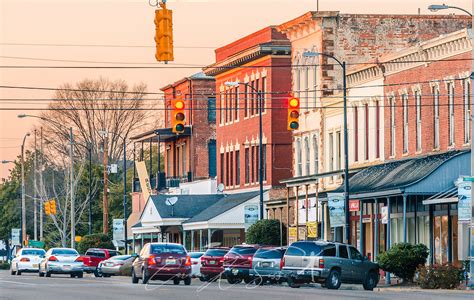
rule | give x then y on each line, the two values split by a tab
114	265
329	264
195	263
266	265
94	256
162	261
26	260
61	261
238	262
212	263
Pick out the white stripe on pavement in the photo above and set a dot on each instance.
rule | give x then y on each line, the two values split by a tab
16	282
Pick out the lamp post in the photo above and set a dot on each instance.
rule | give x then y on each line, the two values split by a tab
346	144
23	209
435	8
260	136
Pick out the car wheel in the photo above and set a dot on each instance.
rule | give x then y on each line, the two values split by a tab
176	281
98	273
134	277
106	275
370	282
187	281
204	278
292	283
12	272
145	277
41	274
48	274
80	275
72	275
258	281
18	272
232	280
333	282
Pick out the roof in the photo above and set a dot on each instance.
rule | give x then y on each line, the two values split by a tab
224	204
196	76
397	174
186	207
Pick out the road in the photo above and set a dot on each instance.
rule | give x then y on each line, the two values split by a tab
30	286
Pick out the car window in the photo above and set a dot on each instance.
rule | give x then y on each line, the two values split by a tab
343	252
243	250
329	250
269	253
32	252
167	248
195	254
122	257
216	252
355	254
305	249
113	253
64	252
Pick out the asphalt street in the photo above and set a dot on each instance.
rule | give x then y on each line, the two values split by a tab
31	286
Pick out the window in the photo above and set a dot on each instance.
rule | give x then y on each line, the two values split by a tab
307	156
377	129
451	112
299	167
237	167
183	160
355	254
247	165
212	158
215	252
221	109
264	149
264	93
304	249
257	163
467	111
269	253
298	82
435	92
227	177
338	150
356	134
257	96
316	154
306	88
167	248
315	85
230	109
231	168
246	101
236	103
252	153
343	251
366	137
252	98
168	161
418	120
329	250
222	162
211	110
331	152
392	126
405	122
243	250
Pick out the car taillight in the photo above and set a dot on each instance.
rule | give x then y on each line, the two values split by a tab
24	259
321	263
188	261
151	260
250	258
221	260
80	259
53	258
282	263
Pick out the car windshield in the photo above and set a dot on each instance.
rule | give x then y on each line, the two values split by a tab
304	249
195	254
270	253
64	252
33	252
243	250
216	252
167	248
122	257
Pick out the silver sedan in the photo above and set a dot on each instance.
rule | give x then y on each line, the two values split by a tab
115	264
61	261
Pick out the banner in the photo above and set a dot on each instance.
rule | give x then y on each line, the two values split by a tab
354	205
250	215
312	229
384	214
336	206
118	230
16	237
464	202
144	179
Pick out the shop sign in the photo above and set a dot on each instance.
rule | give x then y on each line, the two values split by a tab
384	214
292	232
354	205
16	237
118	232
336	207
464	202
312	229
250	215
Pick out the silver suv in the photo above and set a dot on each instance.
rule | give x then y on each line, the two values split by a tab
329	264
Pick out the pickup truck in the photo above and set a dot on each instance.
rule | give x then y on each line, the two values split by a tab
94	256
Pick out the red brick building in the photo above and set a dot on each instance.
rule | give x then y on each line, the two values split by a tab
253	61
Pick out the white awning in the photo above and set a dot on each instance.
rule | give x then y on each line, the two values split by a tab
448	196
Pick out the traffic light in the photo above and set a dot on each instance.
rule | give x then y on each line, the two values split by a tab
47	208
53	206
178	118
164	34
293	113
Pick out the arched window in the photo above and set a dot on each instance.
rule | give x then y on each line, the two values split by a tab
307	156
316	154
298	158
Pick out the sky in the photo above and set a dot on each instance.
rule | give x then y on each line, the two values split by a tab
200	26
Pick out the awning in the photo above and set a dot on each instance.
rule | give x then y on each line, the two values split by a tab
444	197
161	134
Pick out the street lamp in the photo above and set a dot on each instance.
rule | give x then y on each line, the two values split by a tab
260	136
346	144
435	8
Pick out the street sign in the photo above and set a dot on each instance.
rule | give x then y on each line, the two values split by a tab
336	209
354	205
250	215
16	237
292	232
118	231
471	179
312	229
35	244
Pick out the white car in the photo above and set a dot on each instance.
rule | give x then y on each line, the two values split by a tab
61	261
195	263
26	260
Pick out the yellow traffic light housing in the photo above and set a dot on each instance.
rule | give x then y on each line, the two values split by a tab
293	113
53	206
178	117
47	208
164	34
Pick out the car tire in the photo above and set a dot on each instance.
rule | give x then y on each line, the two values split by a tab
98	273
333	282
145	277
248	280
232	280
41	274
80	275
370	281
106	275
258	281
12	272
72	275
48	274
292	282
204	278
18	272
134	277
176	281
187	281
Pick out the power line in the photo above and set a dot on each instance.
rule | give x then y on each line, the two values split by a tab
100	45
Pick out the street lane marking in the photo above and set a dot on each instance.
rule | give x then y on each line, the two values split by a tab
16	282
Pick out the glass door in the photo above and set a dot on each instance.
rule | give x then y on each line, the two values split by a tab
440	239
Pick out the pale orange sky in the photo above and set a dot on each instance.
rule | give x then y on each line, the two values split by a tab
197	23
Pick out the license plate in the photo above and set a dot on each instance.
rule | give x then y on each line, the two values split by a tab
35	265
266	264
235	271
108	264
170	261
301	272
67	267
212	262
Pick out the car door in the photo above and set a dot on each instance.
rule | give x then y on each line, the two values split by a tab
357	270
345	263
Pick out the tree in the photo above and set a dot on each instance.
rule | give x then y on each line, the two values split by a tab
265	232
98	240
403	259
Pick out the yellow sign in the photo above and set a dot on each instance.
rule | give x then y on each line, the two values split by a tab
144	179
312	229
293	232
77	238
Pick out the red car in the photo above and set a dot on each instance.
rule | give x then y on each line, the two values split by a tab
212	263
94	256
162	261
238	262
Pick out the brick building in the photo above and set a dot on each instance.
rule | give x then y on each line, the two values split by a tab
258	61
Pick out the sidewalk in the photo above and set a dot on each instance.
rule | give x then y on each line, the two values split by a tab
396	286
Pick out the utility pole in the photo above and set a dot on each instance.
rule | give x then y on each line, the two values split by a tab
89	146
23	209
35	194
73	206
106	185
41	185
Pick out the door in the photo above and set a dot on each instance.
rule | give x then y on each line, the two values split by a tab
345	263
357	265
440	239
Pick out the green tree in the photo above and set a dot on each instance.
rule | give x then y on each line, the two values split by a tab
403	259
265	232
97	240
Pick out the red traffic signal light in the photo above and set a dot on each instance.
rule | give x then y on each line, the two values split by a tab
293	113
178	118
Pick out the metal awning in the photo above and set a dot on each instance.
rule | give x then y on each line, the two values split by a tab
448	196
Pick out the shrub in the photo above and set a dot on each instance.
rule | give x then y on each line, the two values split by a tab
439	277
265	232
403	259
4	266
98	240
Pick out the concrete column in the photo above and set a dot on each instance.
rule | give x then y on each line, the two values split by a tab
192	240
431	220
133	243
376	230
450	235
200	239
184	238
361	227
209	235
404	218
389	205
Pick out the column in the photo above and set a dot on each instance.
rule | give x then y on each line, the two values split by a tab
388	233
361	227
431	236
450	235
184	238
133	243
306	206
209	236
200	239
288	216
281	226
296	209
192	241
376	230
323	222
404	218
